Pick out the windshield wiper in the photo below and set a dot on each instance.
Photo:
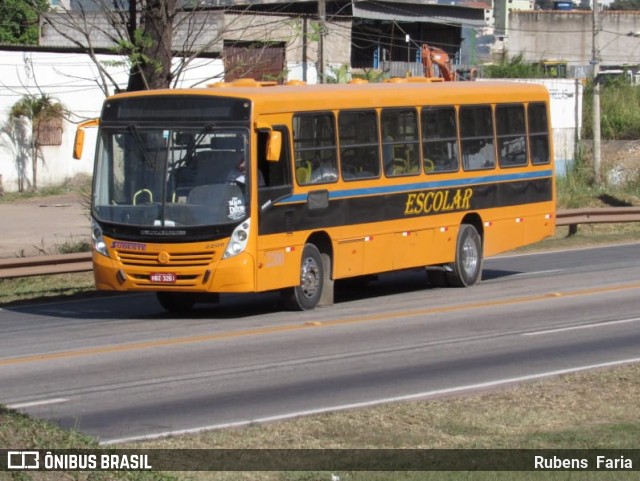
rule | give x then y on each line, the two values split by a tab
202	134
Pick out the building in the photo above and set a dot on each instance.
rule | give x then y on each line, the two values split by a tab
501	11
357	33
566	37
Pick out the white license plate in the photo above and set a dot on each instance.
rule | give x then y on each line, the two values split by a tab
163	277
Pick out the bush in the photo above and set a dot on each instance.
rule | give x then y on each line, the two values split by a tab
513	68
619	113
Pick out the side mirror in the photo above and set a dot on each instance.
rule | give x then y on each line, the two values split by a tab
274	146
78	143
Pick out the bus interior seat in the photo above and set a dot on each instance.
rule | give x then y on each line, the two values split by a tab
213	194
399	167
303	172
225	201
405	166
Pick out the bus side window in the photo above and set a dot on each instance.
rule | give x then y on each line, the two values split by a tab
440	140
512	135
274	173
359	153
314	143
476	134
400	145
277	175
538	133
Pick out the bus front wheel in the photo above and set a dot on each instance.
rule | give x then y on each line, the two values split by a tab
467	268
306	295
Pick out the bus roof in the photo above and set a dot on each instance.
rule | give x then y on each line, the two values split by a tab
287	98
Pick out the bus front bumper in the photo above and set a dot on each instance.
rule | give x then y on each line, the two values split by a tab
236	274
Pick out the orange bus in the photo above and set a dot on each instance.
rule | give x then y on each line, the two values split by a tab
249	187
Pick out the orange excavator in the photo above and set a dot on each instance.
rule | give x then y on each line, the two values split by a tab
436	63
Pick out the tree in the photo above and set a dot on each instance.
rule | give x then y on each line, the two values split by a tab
140	30
38	110
143	32
19	22
151	51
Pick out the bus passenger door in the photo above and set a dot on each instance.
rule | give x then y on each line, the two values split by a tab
275	268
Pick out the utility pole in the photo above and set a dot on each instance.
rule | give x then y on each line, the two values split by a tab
304	48
322	10
595	62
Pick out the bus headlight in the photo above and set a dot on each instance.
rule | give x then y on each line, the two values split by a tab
99	244
238	240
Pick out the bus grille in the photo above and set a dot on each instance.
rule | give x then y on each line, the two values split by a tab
176	259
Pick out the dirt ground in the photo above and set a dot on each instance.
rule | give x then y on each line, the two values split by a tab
37	226
620	160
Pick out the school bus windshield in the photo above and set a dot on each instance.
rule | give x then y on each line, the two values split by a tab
164	177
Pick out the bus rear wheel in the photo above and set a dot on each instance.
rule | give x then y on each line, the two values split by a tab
176	302
467	268
306	295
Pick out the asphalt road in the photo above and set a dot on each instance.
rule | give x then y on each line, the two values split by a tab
119	367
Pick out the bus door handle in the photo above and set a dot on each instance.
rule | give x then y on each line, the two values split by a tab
318	200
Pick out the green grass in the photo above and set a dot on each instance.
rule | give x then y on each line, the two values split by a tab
578	187
71	246
79	185
18	431
620	116
43	288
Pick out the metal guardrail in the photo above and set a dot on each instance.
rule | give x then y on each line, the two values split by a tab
602	215
597	216
81	262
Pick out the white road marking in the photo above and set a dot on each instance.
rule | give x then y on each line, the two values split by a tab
537	273
584	326
562	250
42	402
376	402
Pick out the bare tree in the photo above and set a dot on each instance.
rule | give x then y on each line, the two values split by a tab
149	34
151	50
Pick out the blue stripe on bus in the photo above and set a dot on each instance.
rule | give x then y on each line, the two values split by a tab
393	189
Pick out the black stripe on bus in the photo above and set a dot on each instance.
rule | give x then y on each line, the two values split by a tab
385	207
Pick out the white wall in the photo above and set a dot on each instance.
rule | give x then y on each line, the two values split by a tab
70	79
565	103
566	120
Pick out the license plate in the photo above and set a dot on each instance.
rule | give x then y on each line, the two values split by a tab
163	277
